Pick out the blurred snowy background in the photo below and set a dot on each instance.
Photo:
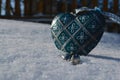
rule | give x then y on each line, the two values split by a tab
27	52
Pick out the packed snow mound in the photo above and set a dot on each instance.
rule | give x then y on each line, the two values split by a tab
27	52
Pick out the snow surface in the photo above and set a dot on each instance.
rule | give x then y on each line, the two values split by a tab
27	52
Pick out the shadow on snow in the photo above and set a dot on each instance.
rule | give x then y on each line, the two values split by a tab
104	57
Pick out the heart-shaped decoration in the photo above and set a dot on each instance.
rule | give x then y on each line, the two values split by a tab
77	34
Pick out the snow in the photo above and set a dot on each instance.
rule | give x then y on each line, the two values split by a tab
27	52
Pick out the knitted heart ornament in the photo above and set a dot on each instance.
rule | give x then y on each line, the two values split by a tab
77	34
